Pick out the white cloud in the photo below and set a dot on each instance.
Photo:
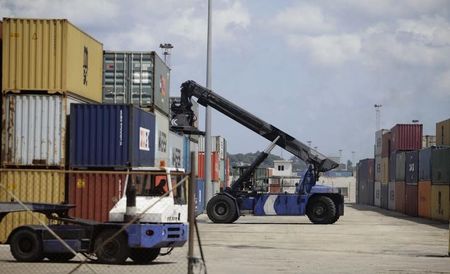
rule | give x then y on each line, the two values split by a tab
229	21
421	42
303	18
328	49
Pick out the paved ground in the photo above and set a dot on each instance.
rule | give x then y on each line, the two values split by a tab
365	240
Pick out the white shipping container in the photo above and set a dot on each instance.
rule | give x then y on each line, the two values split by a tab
378	176
34	129
161	139
377	194
175	150
379	141
218	144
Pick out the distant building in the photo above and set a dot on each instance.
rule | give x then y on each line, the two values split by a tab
344	182
283	179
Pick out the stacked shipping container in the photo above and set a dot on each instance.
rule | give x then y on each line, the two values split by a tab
365	181
47	65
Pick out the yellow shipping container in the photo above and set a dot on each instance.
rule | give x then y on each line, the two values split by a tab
51	55
443	133
440	202
44	186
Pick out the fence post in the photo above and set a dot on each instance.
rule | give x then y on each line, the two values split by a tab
191	214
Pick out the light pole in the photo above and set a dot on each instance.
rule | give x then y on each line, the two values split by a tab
208	183
167	48
377	116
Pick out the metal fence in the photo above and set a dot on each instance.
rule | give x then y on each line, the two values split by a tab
169	260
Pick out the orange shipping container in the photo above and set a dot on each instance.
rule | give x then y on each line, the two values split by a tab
214	166
94	194
400	196
424	199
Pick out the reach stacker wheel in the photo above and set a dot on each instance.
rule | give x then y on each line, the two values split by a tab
321	210
144	255
222	209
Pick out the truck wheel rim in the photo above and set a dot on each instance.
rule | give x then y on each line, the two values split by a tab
319	211
220	209
25	245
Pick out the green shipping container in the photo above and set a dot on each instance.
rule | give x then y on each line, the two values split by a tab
440	160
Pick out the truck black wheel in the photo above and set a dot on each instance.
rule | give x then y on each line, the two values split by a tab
26	246
321	210
221	209
144	255
114	251
59	257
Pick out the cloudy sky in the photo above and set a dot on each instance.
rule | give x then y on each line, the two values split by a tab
312	68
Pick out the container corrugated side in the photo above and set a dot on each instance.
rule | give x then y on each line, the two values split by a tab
161	139
424	199
400	160
44	186
443	133
440	208
412	167
377	194
411	200
94	194
385	196
214	166
161	91
366	170
176	150
400	196
391	203
379	141
425	164
406	137
378	164
384	169
440	166
128	78
392	167
51	55
111	136
34	129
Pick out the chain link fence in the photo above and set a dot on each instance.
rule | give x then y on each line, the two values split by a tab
59	229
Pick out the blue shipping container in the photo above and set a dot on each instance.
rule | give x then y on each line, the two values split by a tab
199	197
186	154
111	136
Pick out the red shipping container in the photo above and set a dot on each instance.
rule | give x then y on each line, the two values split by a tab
411	203
386	144
400	196
215	168
94	194
424	200
406	137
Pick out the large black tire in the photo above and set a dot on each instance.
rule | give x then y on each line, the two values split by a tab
321	210
59	257
222	209
115	251
144	255
26	246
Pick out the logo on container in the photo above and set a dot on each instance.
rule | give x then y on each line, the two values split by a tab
85	66
144	139
120	127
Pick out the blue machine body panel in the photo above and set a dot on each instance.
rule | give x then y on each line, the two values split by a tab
164	235
289	204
